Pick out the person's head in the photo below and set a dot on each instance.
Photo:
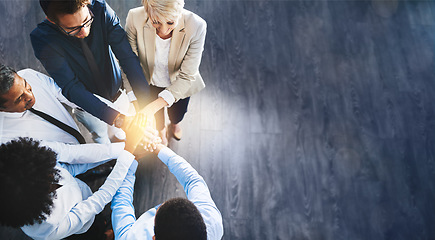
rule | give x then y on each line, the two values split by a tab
73	17
27	177
164	14
178	218
15	93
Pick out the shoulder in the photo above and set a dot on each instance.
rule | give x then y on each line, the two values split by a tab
100	9
35	77
194	25
137	13
43	31
98	3
30	74
193	20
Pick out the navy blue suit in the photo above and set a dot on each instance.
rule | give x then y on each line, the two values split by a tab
63	58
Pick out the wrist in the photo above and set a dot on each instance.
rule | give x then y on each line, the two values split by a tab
158	148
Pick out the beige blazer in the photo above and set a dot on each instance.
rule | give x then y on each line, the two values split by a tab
185	52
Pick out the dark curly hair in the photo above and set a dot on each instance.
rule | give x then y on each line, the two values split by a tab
178	218
27	177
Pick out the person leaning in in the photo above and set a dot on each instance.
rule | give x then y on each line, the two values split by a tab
80	44
169	41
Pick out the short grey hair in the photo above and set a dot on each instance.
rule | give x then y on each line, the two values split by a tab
168	9
7	77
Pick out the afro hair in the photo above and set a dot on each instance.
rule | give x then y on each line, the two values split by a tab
27	177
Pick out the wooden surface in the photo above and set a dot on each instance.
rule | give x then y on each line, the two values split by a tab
317	121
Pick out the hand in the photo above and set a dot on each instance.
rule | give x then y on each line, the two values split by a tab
151	139
149	142
151	120
135	132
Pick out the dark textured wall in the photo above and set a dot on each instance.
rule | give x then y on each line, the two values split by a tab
317	121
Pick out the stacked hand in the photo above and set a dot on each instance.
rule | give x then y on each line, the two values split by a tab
151	139
135	132
143	124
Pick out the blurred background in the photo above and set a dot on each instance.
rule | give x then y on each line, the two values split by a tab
317	122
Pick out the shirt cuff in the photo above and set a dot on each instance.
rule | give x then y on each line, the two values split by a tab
117	148
168	97
125	159
131	96
165	154
133	166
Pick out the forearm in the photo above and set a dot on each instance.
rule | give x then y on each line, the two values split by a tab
85	153
196	190
67	79
127	59
178	166
155	106
92	104
123	216
85	210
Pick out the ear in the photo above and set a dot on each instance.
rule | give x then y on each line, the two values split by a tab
154	237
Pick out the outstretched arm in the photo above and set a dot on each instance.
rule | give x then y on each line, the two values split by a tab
84	211
123	216
196	190
85	153
127	58
51	56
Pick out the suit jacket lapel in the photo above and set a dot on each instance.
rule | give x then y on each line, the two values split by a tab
150	45
177	40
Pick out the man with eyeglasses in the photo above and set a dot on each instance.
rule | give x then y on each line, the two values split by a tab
80	43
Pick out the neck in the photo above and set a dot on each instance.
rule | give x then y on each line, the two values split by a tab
165	36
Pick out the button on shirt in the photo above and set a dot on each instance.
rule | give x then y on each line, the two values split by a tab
75	206
49	99
124	221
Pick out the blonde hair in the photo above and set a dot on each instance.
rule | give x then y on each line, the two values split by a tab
167	9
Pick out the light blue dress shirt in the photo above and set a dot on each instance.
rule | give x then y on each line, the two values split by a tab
124	221
75	206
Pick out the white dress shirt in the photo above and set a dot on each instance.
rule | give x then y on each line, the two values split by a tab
49	99
75	207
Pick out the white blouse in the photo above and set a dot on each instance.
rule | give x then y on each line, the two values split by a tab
160	76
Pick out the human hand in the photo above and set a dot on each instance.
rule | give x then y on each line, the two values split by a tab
135	132
151	139
149	142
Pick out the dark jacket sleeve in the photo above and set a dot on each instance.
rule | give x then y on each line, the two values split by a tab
127	58
56	65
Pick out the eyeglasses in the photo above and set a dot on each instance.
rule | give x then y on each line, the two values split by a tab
76	30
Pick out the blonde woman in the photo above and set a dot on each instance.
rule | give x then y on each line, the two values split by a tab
169	41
